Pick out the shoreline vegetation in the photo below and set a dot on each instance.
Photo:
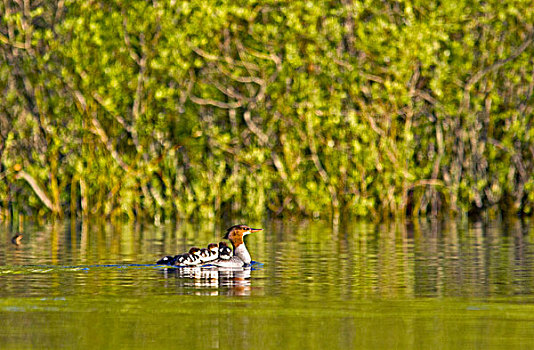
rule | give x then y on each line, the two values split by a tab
185	109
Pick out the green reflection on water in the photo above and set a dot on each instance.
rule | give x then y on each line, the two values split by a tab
417	285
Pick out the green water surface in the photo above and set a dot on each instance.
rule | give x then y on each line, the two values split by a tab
416	285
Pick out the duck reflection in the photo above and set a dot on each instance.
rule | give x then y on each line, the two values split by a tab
212	280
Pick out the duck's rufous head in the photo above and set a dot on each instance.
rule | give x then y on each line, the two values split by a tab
236	233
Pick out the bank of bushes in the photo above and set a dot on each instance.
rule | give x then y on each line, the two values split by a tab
179	109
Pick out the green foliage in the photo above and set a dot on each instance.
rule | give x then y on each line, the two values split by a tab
190	109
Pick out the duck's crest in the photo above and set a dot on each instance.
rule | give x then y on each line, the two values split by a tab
230	229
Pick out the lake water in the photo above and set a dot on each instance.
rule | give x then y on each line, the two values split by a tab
420	285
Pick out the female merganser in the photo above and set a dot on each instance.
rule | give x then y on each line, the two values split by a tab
217	255
241	256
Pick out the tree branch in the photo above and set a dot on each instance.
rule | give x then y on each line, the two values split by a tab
220	104
315	157
481	73
100	132
54	207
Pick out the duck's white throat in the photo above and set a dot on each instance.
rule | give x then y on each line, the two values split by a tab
242	253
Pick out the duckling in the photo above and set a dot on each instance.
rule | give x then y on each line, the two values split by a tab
209	254
179	259
214	250
167	260
192	258
225	252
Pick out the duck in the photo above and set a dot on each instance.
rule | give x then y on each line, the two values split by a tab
217	255
167	260
195	256
179	259
191	258
225	252
210	253
241	256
